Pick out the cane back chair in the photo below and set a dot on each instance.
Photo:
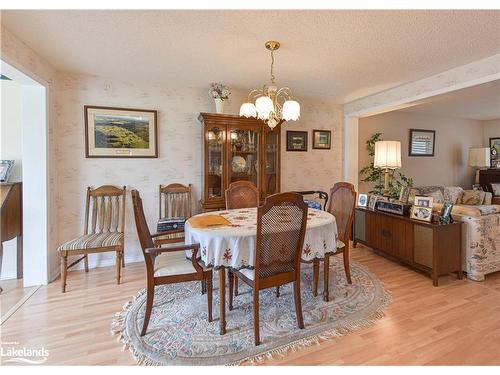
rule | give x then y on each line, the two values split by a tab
242	194
174	202
342	204
281	226
162	269
103	231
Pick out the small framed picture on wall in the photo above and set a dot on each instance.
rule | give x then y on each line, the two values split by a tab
322	139
421	142
296	140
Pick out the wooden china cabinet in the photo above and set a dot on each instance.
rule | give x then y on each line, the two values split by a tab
238	149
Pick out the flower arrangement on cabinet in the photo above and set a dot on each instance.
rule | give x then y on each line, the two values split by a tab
219	91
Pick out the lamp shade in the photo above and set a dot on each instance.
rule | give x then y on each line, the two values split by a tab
248	110
265	106
387	155
291	110
479	157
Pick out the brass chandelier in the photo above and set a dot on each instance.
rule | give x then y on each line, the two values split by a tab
272	105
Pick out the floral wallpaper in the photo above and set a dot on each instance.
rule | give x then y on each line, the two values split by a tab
180	149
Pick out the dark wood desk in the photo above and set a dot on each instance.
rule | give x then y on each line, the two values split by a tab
11	220
431	248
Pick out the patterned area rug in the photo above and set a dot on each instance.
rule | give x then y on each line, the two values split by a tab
179	332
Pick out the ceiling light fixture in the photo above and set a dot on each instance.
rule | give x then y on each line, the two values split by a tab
272	105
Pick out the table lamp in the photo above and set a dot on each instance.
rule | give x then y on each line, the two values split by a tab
479	157
387	156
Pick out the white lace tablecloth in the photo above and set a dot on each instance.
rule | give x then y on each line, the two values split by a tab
234	246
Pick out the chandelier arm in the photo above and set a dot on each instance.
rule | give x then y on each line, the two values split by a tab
254	94
284	92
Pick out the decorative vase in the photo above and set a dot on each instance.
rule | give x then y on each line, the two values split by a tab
219	105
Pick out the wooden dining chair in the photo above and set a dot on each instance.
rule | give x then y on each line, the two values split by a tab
162	270
281	226
174	202
342	204
102	231
242	194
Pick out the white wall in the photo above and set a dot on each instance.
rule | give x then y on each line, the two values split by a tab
454	137
180	148
491	129
11	127
11	149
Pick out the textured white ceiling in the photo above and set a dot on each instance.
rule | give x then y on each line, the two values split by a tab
480	102
342	54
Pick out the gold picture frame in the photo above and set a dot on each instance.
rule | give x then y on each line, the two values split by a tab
112	132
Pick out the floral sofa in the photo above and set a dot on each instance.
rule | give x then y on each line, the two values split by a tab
481	232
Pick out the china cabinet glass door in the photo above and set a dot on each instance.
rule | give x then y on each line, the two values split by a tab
215	178
271	168
243	154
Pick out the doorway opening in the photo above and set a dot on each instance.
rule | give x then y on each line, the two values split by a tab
24	214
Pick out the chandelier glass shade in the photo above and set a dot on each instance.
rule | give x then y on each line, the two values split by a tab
272	105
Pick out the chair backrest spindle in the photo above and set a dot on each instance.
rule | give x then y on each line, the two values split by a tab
106	216
175	201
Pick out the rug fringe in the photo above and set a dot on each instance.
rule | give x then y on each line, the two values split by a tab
336	332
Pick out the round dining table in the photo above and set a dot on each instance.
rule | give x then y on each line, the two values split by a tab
232	245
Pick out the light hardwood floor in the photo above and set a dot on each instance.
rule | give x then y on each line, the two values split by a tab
457	323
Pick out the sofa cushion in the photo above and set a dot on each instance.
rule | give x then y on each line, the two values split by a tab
453	194
473	197
436	192
469	210
496	188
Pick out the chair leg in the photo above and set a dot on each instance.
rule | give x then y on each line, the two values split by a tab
64	272
256	330
315	277
235	286
119	257
123	258
347	267
203	285
149	307
86	263
208	281
298	304
278	291
231	287
326	278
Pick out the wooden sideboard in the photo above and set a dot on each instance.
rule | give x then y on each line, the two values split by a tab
432	248
11	220
488	176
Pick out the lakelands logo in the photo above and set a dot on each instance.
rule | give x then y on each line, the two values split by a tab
12	352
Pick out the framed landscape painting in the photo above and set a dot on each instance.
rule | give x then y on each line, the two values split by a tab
120	132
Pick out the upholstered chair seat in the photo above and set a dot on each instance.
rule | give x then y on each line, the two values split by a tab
167	265
94	240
